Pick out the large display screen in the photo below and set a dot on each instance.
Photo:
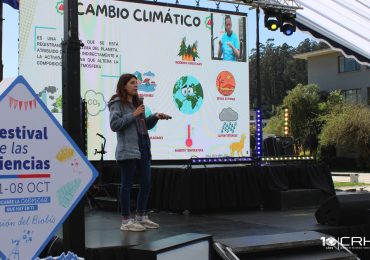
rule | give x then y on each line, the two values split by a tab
190	63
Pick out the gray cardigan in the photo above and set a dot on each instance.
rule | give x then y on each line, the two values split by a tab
123	123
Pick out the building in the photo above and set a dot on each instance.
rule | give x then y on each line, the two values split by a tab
330	70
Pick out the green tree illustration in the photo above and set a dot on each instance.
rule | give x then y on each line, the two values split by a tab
182	51
195	50
189	50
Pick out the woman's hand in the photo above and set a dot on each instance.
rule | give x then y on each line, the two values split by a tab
162	116
139	110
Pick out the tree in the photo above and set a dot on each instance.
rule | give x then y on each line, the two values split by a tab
280	72
275	124
348	126
309	109
302	103
329	102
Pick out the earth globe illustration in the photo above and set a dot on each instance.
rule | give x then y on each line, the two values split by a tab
188	95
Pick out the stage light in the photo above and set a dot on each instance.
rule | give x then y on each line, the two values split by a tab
272	20
288	158
259	133
286	121
288	25
221	160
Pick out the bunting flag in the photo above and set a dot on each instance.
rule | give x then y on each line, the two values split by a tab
12	3
20	104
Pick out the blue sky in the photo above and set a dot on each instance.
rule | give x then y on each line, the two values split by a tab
10	33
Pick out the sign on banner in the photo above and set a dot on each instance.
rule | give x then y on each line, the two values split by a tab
43	173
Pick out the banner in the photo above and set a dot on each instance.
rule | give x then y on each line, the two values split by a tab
182	58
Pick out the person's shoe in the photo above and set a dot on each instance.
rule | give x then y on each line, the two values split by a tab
132	225
147	223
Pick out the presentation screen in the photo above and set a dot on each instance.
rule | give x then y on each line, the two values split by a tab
191	64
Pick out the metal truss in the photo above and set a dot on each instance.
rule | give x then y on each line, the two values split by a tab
283	5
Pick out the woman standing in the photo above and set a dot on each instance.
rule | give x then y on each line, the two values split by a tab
133	154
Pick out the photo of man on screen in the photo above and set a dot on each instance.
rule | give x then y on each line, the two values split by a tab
229	47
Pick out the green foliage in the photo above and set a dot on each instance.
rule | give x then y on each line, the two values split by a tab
275	124
349	184
280	72
332	101
59	102
302	103
314	117
307	113
349	126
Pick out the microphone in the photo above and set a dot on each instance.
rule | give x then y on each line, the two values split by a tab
141	100
141	123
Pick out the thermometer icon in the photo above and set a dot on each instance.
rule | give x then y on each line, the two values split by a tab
189	142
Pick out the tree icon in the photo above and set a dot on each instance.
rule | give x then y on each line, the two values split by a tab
195	50
182	51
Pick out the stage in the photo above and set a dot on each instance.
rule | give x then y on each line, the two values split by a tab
104	240
224	202
212	188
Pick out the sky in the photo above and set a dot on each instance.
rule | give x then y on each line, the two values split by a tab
11	19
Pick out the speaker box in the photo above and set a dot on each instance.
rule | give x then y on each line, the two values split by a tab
344	209
270	147
278	146
286	145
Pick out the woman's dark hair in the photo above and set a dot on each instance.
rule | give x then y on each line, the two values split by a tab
121	91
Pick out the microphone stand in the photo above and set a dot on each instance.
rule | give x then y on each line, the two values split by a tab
100	187
102	152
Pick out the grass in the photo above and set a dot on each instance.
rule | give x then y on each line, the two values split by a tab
349	184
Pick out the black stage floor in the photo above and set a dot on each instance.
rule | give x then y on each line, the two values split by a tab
223	203
104	239
102	227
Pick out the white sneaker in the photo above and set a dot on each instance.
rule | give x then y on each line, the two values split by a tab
132	225
147	223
